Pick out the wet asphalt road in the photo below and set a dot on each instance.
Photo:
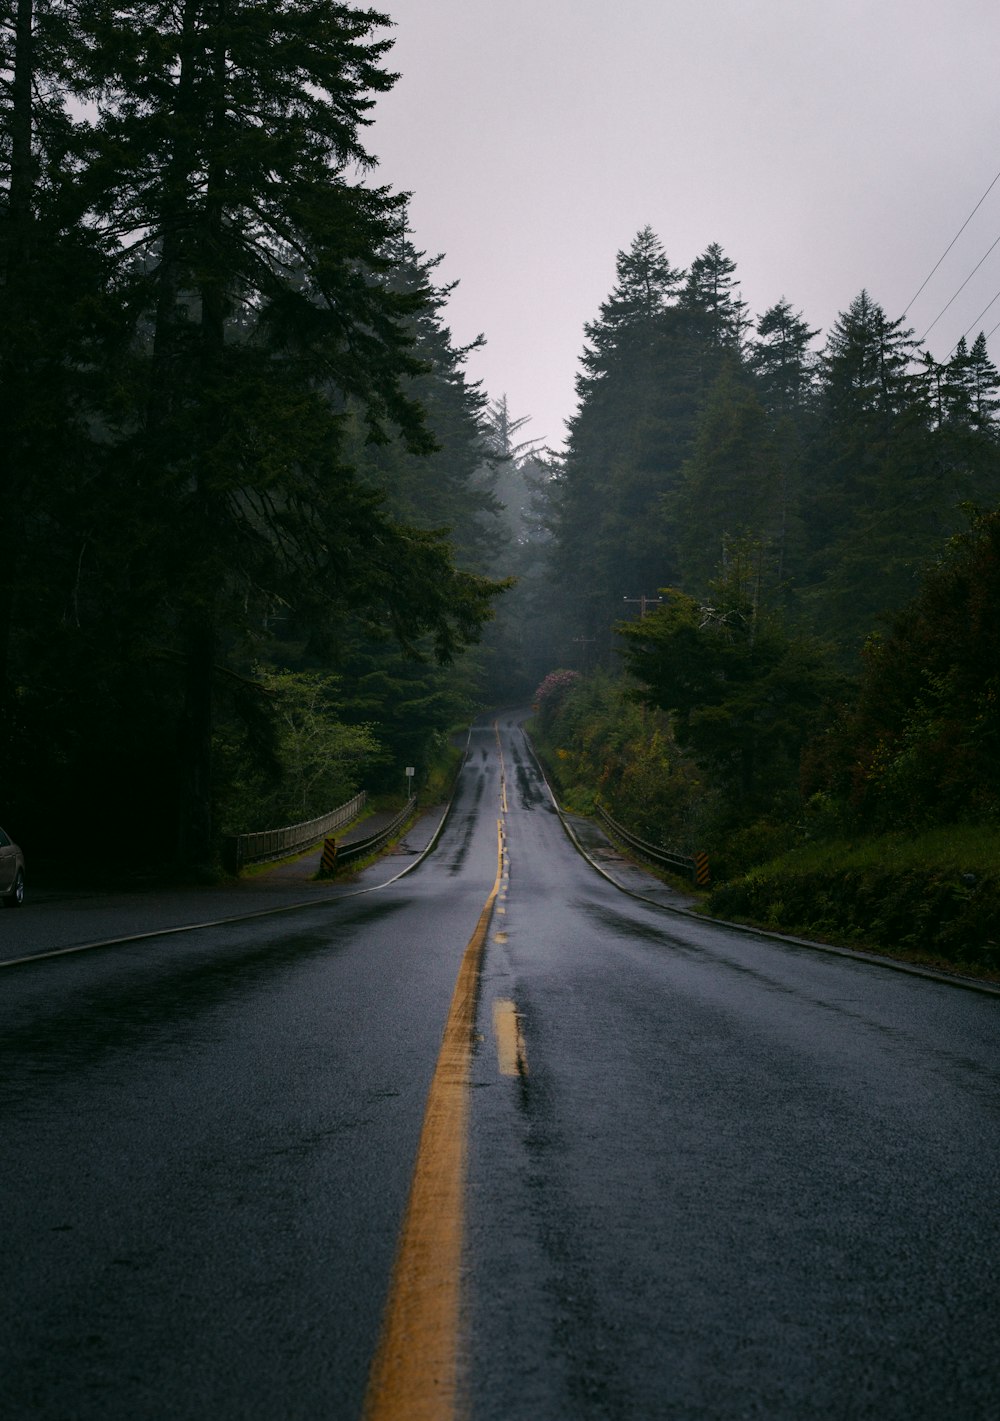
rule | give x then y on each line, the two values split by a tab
727	1177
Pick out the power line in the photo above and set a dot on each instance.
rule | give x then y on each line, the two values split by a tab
954	240
959	291
982	313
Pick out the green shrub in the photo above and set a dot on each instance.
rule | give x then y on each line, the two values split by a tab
936	896
598	744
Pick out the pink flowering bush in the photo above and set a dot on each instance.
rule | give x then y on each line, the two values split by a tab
552	693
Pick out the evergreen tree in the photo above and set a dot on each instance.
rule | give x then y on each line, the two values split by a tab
57	336
973	388
631	318
920	744
515	470
744	694
734	485
780	358
626	444
962	394
877	502
452	487
711	299
867	366
228	163
453	491
521	643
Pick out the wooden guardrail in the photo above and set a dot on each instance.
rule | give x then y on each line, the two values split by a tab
695	865
268	844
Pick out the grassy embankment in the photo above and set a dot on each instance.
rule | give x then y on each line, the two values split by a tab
436	788
932	898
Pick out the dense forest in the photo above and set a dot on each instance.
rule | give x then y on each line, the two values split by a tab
246	487
263	541
775	568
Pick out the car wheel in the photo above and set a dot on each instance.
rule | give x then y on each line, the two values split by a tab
15	897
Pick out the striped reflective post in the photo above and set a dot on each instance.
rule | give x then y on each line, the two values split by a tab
701	870
329	864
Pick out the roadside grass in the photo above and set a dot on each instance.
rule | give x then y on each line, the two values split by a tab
437	787
439	780
967	848
931	897
258	870
345	873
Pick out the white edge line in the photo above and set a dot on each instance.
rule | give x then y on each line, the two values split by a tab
242	917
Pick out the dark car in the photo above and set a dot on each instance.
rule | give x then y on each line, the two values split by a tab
11	872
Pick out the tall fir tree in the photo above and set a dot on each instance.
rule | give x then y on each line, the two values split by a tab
630	320
972	385
781	359
57	333
226	130
963	395
735	485
226	166
626	443
713	304
878	502
453	485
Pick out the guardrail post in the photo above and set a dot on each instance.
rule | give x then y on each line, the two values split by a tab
328	866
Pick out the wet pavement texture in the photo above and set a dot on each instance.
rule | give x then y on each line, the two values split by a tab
624	871
716	1175
54	920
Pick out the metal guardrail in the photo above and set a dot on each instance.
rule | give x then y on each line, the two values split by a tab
267	844
695	865
360	847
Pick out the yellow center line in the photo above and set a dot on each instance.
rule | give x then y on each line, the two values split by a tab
503	769
511	1055
415	1373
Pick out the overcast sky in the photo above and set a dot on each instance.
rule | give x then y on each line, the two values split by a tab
827	145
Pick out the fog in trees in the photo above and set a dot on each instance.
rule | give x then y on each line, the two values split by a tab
252	502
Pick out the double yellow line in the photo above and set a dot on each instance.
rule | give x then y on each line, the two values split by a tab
415	1371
